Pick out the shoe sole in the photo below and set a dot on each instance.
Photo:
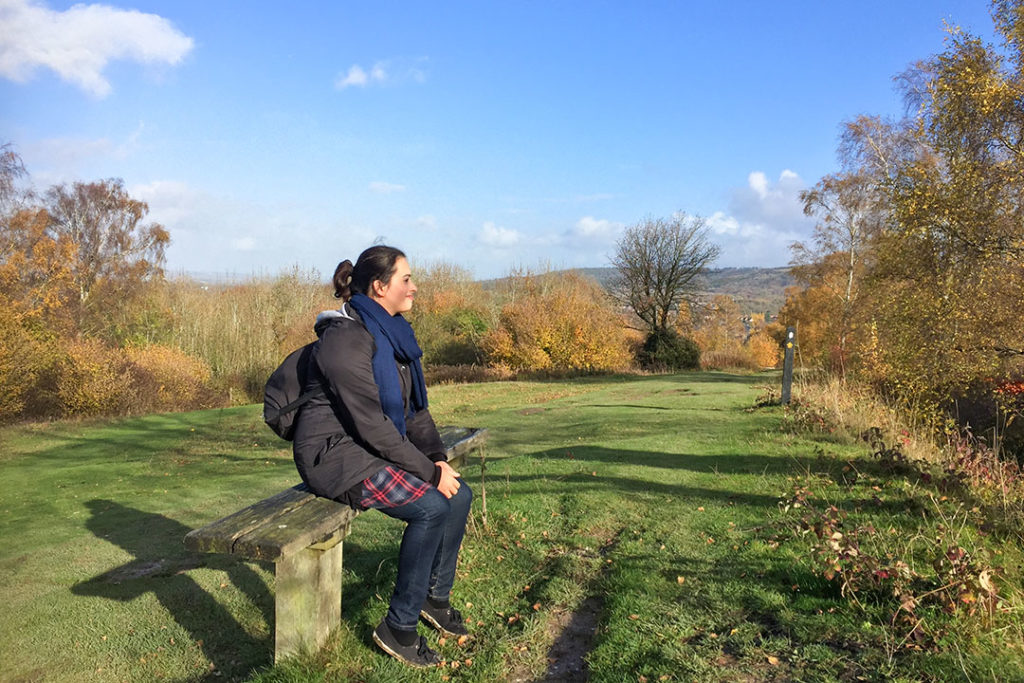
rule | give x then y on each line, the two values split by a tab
441	629
384	646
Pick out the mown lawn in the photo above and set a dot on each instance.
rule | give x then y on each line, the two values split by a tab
634	533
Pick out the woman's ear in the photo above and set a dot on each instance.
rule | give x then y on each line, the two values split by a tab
377	288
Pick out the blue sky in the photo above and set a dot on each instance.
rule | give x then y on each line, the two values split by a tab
492	135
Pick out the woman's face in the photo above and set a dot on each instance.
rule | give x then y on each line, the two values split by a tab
396	296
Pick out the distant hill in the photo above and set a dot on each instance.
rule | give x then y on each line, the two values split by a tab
755	290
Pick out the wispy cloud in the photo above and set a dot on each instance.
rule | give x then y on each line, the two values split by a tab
381	187
78	43
382	72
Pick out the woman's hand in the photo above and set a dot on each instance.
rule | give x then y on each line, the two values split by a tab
449	483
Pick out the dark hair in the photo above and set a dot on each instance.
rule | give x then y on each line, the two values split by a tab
376	263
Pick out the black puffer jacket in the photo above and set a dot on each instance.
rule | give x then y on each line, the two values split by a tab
343	436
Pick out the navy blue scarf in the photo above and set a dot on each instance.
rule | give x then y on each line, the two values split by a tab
395	340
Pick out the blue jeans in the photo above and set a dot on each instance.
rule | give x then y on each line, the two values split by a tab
428	554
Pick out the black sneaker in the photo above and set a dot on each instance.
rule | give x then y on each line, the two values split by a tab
418	654
447	620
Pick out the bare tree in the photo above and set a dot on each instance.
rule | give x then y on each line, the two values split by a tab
11	171
660	261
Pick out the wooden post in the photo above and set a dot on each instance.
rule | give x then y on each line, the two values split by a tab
308	603
787	366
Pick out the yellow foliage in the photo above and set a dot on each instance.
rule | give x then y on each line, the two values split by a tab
764	349
561	322
165	378
27	360
94	379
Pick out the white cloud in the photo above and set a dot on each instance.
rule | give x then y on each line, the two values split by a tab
78	43
386	188
355	76
397	70
496	236
758	182
593	228
762	220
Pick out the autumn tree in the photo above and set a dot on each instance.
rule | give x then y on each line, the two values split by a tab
851	213
659	263
934	310
116	253
451	315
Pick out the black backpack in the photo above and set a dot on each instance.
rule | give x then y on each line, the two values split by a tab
282	395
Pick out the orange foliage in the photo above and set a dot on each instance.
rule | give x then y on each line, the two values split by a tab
764	349
93	379
558	322
165	378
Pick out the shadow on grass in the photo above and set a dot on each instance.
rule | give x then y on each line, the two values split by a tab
159	567
587	457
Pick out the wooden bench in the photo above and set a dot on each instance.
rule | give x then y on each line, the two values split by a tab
302	535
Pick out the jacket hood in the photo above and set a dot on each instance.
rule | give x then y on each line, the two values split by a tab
325	318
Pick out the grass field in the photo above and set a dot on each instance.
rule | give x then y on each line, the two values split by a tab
634	533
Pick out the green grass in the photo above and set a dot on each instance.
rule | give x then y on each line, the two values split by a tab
652	501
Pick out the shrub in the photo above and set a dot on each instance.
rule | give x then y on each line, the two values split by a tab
27	369
94	380
557	322
450	317
764	349
165	379
666	350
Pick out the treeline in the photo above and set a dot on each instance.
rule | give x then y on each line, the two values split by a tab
914	279
90	324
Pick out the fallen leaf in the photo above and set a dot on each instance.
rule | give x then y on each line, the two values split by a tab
774	661
462	639
634	617
536	606
700	509
442	640
680	580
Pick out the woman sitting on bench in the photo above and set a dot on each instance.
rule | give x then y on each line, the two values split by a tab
369	441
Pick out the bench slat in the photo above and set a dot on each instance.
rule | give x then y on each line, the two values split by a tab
220	536
296	518
316	521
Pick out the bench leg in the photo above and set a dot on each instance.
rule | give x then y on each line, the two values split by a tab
308	603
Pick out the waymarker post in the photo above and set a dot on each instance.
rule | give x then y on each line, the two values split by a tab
787	366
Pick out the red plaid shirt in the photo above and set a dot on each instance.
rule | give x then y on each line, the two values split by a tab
390	488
